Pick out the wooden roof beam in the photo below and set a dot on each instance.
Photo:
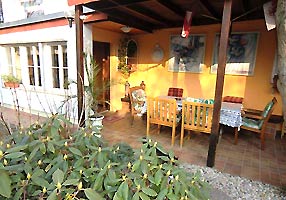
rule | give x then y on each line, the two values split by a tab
95	17
246	6
173	7
150	14
130	22
110	4
210	9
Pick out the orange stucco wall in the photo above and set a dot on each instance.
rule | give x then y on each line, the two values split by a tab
256	89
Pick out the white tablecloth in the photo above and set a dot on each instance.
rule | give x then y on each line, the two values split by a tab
230	114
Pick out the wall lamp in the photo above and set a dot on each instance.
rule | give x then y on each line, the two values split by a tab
69	15
70	20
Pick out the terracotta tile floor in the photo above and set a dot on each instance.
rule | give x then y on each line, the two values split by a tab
244	159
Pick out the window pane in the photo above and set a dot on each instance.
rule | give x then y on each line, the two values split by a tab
66	81
31	76
65	56
18	63
38	59
30	56
39	76
55	59
56	78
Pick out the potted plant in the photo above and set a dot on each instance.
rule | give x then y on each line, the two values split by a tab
11	81
93	91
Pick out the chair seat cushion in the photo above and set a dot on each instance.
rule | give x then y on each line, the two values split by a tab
251	123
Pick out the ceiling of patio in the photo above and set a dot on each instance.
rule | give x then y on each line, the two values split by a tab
150	15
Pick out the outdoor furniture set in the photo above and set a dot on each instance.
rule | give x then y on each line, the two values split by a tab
194	114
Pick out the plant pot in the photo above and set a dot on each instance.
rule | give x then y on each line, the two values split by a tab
11	84
97	121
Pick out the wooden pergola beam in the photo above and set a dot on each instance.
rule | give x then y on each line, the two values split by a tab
225	29
79	63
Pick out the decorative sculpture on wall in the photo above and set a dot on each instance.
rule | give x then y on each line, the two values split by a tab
127	55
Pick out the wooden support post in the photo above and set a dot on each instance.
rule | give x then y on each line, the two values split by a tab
79	62
219	81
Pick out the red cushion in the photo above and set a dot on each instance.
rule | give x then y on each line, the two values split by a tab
233	99
175	92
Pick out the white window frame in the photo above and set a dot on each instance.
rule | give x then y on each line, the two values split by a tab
36	50
61	66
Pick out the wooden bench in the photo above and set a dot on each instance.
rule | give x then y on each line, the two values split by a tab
196	117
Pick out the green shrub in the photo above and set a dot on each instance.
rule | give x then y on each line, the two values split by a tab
40	163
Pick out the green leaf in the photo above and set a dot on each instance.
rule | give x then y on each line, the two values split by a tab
71	182
162	194
173	196
16	148
43	148
54	131
135	196
18	167
53	195
136	165
118	196
75	151
158	177
98	183
78	163
14	155
5	184
149	192
92	195
40	182
124	190
143	196
33	153
36	193
177	187
51	147
58	176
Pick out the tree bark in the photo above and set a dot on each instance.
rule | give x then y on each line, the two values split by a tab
281	53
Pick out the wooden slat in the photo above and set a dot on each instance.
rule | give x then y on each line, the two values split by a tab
196	117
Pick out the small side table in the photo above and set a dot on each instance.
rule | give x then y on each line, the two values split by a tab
126	104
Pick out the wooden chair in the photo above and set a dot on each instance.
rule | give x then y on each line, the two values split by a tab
137	97
175	92
256	121
163	112
196	116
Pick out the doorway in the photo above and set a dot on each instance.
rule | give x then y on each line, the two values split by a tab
101	54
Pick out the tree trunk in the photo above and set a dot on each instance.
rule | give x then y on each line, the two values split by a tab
281	55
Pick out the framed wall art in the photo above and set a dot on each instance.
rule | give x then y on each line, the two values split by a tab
187	54
241	53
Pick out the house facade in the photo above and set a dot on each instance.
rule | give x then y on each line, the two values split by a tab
38	46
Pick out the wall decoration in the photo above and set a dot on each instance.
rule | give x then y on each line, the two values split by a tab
187	54
241	53
158	53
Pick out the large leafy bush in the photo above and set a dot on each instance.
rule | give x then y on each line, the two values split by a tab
40	163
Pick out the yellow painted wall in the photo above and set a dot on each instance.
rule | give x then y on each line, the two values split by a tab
255	89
